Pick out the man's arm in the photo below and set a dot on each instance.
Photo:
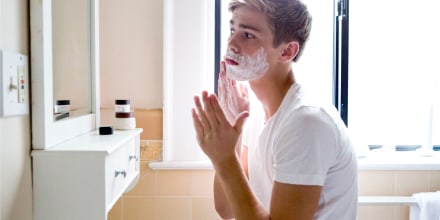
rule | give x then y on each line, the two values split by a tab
233	181
222	206
288	201
294	201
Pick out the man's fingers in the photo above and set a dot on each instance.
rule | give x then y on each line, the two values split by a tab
222	69
221	117
198	125
201	113
210	113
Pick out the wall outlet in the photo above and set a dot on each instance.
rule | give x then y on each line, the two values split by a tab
14	87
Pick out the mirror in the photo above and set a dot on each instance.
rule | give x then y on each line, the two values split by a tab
71	57
64	65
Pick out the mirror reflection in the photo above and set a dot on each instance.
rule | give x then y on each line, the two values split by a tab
71	58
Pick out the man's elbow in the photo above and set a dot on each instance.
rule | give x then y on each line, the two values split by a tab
224	211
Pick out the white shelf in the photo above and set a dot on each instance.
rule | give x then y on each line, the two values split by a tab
82	178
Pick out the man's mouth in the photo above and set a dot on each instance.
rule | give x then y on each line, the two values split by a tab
230	61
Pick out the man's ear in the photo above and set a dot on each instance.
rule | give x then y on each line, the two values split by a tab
290	51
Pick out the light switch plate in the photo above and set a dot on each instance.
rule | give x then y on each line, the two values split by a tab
14	87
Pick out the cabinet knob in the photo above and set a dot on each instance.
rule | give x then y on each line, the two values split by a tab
130	157
120	172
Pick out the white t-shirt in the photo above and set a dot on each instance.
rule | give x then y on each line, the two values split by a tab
305	144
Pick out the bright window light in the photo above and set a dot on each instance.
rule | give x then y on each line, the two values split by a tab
394	75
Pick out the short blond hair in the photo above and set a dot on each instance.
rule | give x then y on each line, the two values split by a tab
289	20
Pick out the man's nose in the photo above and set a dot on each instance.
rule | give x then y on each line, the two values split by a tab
232	43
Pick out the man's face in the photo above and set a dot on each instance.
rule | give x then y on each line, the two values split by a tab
250	48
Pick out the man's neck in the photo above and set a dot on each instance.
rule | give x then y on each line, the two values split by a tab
271	91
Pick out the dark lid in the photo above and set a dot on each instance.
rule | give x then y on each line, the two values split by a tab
105	130
122	101
63	102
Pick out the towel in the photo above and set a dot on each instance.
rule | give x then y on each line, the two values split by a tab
428	207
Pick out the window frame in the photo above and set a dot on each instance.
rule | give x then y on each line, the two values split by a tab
340	57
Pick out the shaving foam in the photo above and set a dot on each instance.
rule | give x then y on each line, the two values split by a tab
249	67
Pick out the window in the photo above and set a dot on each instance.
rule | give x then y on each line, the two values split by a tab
394	75
188	68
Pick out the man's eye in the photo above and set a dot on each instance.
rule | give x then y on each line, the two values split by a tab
249	35
231	31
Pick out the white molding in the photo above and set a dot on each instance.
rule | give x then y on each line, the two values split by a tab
386	200
95	61
408	161
188	69
47	132
167	76
182	165
411	160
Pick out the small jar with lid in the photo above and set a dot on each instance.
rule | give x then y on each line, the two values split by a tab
124	121
122	105
61	106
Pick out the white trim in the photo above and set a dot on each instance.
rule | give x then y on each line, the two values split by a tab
95	61
188	67
167	76
182	165
386	200
47	132
397	161
206	164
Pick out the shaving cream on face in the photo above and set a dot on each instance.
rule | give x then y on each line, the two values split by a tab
249	67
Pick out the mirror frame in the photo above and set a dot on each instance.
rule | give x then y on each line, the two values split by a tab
45	131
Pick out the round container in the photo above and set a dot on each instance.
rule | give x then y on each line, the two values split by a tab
61	106
122	105
124	121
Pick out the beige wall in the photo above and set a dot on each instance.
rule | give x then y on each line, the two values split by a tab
15	141
397	183
131	52
183	195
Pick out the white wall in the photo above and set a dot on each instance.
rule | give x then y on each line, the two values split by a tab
15	141
1	139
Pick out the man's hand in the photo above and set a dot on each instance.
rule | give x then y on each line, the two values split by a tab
233	99
215	134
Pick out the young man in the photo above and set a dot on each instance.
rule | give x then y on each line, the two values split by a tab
299	163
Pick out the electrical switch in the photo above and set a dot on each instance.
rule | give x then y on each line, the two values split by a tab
14	88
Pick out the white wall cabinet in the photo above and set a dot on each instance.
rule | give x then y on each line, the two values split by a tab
82	178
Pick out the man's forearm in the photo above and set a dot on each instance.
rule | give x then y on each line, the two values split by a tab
237	192
222	205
